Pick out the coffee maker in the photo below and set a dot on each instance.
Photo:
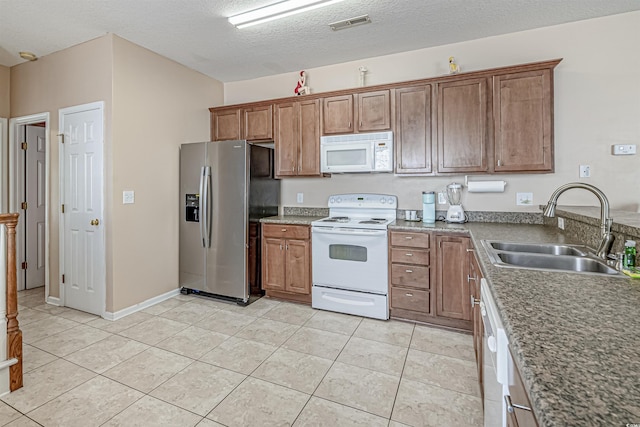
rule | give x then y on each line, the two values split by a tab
455	213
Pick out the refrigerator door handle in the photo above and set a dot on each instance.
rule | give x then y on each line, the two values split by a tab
209	208
205	177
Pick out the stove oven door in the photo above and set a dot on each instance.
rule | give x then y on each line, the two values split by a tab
350	259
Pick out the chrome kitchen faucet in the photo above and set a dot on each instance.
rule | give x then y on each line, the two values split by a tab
605	219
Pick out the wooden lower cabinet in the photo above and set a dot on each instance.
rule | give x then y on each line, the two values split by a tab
410	275
430	283
474	300
521	413
286	261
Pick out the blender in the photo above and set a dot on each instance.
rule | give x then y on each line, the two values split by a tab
455	213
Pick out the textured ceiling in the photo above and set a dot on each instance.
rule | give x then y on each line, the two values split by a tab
196	33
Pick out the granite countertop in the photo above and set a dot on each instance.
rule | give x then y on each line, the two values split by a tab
575	337
290	219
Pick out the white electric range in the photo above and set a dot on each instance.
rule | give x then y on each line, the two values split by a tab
350	255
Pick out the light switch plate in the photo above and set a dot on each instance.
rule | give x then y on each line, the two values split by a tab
623	149
442	200
300	197
524	199
128	197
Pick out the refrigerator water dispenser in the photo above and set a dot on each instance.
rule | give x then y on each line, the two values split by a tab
192	206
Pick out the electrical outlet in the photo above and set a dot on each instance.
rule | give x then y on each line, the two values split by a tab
300	198
128	197
585	171
561	223
524	199
442	200
623	149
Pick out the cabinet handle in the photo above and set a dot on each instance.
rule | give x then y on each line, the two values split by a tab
349	125
499	162
283	230
286	246
360	123
471	250
469	278
409	254
408	237
408	271
280	246
511	406
409	295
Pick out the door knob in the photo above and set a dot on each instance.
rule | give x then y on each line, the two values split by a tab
95	222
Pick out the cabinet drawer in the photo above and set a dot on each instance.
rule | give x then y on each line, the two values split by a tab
286	231
410	299
410	275
410	256
413	240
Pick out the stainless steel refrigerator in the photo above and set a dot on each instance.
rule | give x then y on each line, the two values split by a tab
224	185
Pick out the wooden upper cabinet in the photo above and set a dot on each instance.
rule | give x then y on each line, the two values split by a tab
309	138
297	138
225	124
413	136
523	121
374	111
258	123
337	114
286	139
462	126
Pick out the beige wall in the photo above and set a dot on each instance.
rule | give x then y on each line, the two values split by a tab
4	91
152	105
158	104
74	76
597	104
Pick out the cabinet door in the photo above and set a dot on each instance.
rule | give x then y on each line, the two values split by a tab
286	139
337	114
225	125
452	300
374	111
523	121
309	138
462	126
298	266
273	264
258	123
478	329
413	129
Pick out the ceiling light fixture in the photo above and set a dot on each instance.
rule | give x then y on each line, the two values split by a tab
28	56
276	11
349	23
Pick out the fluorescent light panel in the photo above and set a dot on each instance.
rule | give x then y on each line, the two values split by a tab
277	11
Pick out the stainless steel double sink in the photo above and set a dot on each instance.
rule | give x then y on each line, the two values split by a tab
548	256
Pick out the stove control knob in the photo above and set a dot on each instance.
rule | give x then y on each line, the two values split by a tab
338	200
331	200
383	200
390	201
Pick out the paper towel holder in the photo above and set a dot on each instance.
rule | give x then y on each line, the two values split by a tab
484	186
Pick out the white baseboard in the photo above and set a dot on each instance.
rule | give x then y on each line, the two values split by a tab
141	306
53	301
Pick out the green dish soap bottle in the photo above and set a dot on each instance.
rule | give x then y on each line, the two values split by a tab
629	254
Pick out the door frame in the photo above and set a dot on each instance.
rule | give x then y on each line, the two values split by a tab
14	202
61	229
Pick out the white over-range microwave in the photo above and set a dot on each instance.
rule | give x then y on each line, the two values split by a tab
360	152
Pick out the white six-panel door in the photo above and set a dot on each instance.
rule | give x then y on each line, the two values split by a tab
35	213
82	241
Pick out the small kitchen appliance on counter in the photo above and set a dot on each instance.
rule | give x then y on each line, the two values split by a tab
350	255
455	213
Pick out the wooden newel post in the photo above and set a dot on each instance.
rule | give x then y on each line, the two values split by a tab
14	334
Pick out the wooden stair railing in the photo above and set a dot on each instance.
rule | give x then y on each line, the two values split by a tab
14	334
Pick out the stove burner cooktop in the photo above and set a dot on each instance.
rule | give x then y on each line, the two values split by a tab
336	219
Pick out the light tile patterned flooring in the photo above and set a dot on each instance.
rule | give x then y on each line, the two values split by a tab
191	361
